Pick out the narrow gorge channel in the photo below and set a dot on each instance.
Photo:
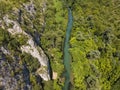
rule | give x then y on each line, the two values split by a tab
66	50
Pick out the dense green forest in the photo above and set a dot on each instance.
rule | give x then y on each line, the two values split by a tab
94	42
95	46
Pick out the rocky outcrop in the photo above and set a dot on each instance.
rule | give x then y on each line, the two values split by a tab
30	8
6	52
30	48
12	76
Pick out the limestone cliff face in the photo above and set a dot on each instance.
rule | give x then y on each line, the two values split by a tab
30	48
15	29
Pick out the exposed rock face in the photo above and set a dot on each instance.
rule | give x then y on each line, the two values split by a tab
30	8
12	76
30	48
15	74
16	29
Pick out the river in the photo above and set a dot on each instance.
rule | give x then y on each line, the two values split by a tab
67	57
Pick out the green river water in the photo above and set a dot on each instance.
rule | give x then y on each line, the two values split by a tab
67	56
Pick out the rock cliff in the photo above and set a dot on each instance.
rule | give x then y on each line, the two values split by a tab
15	72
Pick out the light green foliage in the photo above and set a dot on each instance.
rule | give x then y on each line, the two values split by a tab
56	86
95	31
35	84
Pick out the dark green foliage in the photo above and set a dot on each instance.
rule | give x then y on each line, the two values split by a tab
2	36
35	82
32	63
116	85
93	54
